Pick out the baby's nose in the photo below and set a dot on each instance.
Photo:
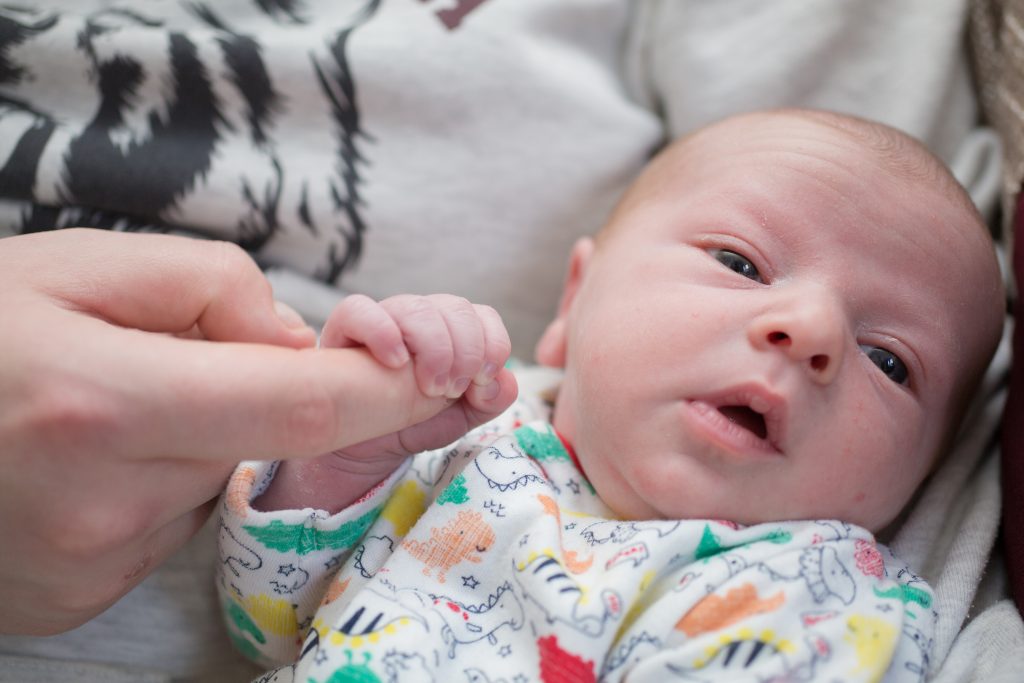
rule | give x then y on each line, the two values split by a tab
811	335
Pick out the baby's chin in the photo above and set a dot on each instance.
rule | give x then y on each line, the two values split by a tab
640	510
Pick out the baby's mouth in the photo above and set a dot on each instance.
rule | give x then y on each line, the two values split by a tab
746	417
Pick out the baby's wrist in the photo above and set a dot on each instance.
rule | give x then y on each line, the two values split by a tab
328	482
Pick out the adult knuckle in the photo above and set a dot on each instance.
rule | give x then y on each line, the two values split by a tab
235	267
231	258
71	415
95	529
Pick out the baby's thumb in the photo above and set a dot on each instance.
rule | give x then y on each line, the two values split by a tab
486	402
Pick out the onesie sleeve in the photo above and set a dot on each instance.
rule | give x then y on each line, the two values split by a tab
834	611
274	567
277	568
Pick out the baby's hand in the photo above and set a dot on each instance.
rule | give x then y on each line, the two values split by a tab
452	342
458	350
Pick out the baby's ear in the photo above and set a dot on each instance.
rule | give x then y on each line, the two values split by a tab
551	349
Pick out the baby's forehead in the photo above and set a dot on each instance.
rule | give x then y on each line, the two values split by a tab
826	146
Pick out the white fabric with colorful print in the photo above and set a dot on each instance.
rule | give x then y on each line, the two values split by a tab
494	560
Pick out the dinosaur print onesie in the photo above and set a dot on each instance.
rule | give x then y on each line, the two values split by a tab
495	560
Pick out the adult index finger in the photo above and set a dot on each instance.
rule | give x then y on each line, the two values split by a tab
234	401
158	283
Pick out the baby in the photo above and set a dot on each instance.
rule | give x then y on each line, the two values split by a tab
765	352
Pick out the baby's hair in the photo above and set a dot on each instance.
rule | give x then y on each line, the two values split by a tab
902	154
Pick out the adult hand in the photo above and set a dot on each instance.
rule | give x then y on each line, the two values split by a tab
120	418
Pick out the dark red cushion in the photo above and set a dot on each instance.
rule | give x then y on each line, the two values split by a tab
1013	431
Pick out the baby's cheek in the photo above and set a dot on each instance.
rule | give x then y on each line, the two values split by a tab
671	487
873	506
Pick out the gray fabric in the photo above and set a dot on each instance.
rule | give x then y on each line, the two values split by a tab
35	670
989	650
167	629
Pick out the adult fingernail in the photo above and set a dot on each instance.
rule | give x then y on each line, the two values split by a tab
288	315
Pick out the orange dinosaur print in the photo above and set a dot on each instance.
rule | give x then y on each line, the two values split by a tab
334	591
569	557
715	612
237	494
461	539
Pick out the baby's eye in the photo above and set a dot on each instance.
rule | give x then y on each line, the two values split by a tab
737	264
888	362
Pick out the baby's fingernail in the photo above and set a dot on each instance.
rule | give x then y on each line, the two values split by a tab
460	386
486	374
398	357
440	386
288	315
490	391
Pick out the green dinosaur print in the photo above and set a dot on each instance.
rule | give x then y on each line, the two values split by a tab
455	492
906	594
243	622
353	673
778	537
245	646
303	539
710	545
545	446
541	446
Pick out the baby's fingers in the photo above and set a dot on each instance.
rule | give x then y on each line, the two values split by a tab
468	333
360	321
497	345
428	339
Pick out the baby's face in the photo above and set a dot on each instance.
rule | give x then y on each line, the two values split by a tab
779	328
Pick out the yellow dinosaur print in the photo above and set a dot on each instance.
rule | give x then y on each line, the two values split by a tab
405	506
874	641
368	639
640	604
272	614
